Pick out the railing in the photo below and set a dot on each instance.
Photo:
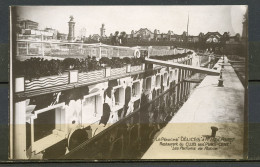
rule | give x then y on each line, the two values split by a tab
56	49
162	52
72	77
65	49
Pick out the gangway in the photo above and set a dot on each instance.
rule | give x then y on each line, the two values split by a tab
183	66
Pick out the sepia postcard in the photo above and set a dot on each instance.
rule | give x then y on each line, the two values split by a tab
128	82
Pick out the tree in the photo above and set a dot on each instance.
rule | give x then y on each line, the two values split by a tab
115	39
123	38
237	37
225	37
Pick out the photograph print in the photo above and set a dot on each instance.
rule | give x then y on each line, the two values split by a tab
128	82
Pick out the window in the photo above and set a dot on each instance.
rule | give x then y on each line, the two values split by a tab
157	81
44	124
48	121
47	127
181	74
184	74
136	89
91	109
59	119
171	76
176	75
116	94
165	77
148	84
119	96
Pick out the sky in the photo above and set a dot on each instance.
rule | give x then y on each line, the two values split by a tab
221	18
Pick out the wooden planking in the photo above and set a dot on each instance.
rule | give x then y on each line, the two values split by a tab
183	66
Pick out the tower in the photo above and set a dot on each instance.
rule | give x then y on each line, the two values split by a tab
71	34
102	31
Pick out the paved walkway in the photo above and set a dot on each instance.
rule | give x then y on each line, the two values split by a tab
188	134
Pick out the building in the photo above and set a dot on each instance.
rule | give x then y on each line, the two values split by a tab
234	39
212	37
176	38
62	36
142	34
71	34
53	31
28	24
193	39
42	35
146	37
28	30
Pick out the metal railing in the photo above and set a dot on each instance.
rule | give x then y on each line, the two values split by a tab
66	49
47	49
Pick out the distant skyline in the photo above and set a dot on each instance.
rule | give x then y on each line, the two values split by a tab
221	18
